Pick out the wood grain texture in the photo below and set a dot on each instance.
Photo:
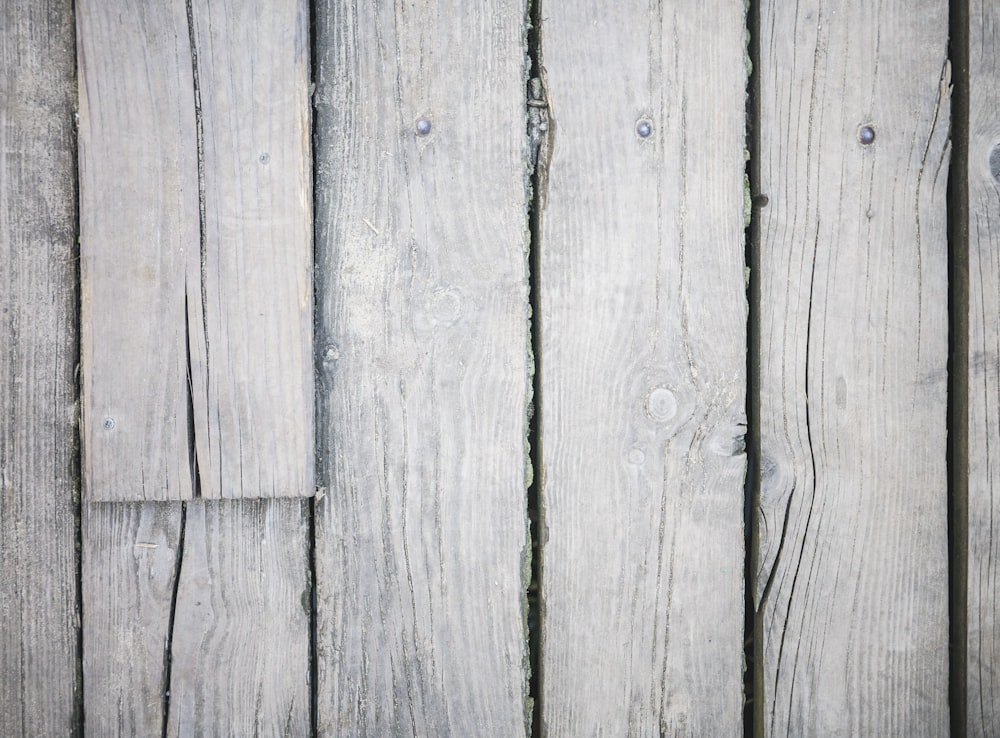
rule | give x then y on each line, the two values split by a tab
196	249
852	581
983	672
643	331
252	365
196	618
39	627
130	559
240	651
423	368
139	237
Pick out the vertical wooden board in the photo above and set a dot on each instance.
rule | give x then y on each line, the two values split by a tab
983	675
130	559
196	249
138	230
423	368
643	328
196	618
852	581
39	631
240	647
251	347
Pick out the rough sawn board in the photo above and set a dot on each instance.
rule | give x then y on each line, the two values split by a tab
195	249
196	618
983	645
39	619
643	325
421	539
852	578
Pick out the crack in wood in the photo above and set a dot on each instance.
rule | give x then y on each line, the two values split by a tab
202	244
169	641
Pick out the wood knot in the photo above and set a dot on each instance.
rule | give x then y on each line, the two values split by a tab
661	405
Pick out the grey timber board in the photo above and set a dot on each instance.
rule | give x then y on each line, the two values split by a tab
643	374
130	561
852	579
983	645
197	618
39	620
196	250
423	368
252	365
138	231
240	648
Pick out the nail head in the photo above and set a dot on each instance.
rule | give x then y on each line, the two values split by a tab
265	158
866	135
109	424
644	128
423	126
995	162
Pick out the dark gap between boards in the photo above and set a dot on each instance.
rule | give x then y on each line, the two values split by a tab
958	364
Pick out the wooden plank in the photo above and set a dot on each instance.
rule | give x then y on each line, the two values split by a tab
130	560
197	618
139	230
852	581
252	362
643	330
423	374
196	249
983	584
39	628
240	650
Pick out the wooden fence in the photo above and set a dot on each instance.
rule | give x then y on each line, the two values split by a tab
477	369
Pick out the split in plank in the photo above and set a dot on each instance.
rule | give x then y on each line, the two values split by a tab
852	578
195	249
202	608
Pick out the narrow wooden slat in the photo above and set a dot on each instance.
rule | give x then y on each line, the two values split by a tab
423	368
240	649
983	671
196	250
252	366
39	630
224	648
643	369
852	584
139	228
130	553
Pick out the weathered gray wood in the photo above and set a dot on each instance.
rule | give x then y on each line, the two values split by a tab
39	630
643	369
139	229
983	671
196	249
240	650
252	363
130	562
225	647
423	372
852	583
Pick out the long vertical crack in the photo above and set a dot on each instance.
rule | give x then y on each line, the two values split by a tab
203	282
540	130
168	644
958	362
